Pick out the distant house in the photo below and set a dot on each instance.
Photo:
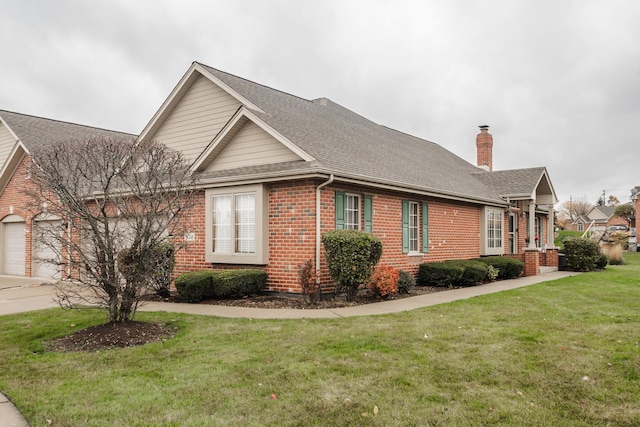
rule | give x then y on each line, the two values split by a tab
599	218
277	171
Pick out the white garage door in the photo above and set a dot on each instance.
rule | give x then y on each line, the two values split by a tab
14	248
42	253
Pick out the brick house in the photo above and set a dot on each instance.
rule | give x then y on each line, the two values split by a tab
20	133
277	171
599	218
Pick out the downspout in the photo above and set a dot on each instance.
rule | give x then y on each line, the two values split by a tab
318	188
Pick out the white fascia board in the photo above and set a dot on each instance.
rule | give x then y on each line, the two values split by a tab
545	175
10	165
172	96
553	191
13	134
244	101
188	77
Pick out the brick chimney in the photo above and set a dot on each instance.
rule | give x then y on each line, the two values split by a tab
484	144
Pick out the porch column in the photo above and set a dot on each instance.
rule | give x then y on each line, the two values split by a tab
532	224
550	228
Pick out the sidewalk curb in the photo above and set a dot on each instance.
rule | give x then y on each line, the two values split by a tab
10	415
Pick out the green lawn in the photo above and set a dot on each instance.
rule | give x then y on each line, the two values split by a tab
562	353
563	234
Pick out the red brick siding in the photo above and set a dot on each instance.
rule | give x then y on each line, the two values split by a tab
292	236
453	232
454	229
531	263
13	198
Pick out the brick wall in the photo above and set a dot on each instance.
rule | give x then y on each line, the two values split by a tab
13	200
531	262
453	229
453	232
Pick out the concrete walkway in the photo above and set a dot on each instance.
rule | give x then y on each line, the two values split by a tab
384	307
25	294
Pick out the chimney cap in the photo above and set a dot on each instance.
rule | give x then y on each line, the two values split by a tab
484	126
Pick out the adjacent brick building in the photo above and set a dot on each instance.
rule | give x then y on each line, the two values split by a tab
276	171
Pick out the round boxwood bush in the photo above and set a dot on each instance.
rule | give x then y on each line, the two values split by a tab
582	254
406	282
351	256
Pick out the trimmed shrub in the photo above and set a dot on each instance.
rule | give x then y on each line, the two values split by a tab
439	274
581	254
384	281
508	268
406	282
238	283
196	286
602	261
351	257
473	272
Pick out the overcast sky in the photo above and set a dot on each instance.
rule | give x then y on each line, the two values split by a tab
557	81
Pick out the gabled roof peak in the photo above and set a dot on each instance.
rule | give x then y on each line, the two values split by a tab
219	73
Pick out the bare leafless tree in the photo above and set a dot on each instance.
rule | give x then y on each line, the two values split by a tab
118	200
574	208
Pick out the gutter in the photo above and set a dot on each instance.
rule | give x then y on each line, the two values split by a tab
318	224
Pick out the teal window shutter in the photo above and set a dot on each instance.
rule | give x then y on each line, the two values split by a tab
425	228
405	226
368	214
339	210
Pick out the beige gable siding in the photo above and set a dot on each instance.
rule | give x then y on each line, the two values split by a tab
7	141
193	124
252	146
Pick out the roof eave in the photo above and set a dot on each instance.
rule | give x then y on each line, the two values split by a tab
320	172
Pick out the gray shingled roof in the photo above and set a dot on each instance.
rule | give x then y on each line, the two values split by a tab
37	131
514	182
350	145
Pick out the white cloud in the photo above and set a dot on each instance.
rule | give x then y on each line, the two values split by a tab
559	82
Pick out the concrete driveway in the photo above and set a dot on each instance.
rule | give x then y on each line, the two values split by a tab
20	294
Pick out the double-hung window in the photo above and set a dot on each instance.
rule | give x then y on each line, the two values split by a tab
354	211
351	212
491	231
494	228
235	225
414	231
415	228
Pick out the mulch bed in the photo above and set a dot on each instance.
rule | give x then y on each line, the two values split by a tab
112	335
295	301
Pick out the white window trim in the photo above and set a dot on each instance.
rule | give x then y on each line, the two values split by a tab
484	232
261	255
358	204
417	227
